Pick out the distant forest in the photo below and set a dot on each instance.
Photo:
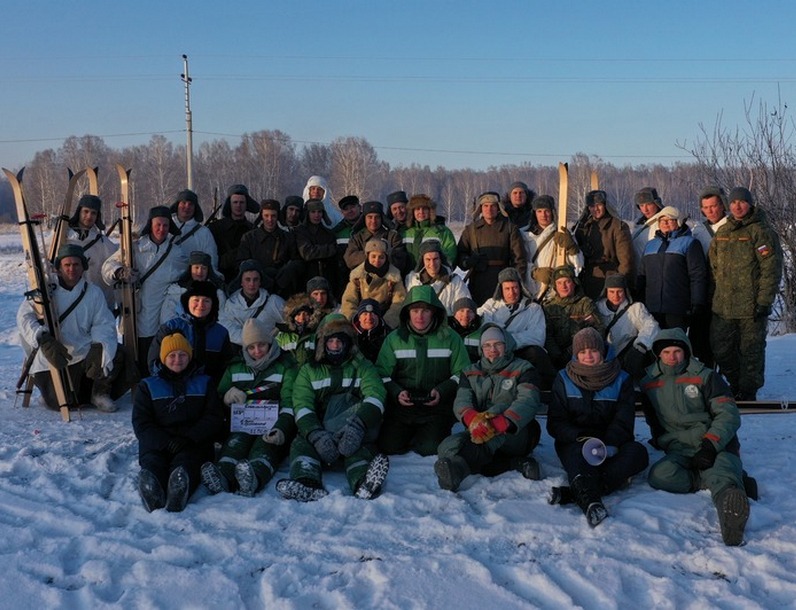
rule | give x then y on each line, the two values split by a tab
758	155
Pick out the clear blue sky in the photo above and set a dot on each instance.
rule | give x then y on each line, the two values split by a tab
497	82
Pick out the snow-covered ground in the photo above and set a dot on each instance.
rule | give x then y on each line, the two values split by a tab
74	533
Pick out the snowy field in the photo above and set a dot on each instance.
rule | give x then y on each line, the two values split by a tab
74	533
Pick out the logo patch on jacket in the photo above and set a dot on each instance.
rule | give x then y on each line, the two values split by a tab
764	250
691	391
506	384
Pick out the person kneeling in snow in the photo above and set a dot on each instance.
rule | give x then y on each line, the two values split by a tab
695	420
248	461
176	416
338	402
497	400
593	398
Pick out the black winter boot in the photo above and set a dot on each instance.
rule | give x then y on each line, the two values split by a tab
372	482
177	490
451	472
528	467
732	507
151	491
586	490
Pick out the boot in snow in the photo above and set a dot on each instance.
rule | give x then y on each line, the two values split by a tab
177	490
451	472
247	480
302	490
370	485
732	506
213	479
151	491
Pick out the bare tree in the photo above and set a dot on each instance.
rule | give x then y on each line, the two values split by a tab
354	164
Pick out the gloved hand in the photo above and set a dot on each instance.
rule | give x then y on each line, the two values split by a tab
635	360
234	396
324	444
501	424
54	351
274	437
177	444
762	311
481	428
563	239
611	451
126	274
705	457
349	437
94	362
543	275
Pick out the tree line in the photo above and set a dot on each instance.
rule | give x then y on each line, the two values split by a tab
758	155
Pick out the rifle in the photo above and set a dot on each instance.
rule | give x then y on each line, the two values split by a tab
216	208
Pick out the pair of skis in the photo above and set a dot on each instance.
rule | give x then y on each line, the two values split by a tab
41	289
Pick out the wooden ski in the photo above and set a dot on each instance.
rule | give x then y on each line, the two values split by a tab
595	180
93	180
61	226
128	289
563	191
40	293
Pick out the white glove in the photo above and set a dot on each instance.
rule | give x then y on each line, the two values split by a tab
234	396
127	274
274	437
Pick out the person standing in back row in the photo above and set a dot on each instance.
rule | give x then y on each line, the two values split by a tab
746	262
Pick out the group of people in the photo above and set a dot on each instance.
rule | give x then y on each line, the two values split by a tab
353	319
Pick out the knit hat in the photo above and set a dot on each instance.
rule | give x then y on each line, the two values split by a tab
739	193
670	212
370	305
318	283
493	333
197	257
714	191
174	342
648	195
463	302
397	197
372	207
270	204
71	250
347	201
587	338
375	245
518	185
545	202
255	331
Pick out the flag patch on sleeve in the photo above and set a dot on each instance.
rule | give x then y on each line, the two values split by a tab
764	250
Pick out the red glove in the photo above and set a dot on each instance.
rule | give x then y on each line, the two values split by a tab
500	423
468	416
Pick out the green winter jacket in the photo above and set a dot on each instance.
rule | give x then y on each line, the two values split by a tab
419	232
690	402
505	386
273	382
745	260
320	386
419	363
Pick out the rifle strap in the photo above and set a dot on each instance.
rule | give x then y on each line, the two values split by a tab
190	233
157	264
259	310
92	242
616	317
541	246
74	304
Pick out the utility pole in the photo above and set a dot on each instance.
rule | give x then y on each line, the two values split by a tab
188	122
